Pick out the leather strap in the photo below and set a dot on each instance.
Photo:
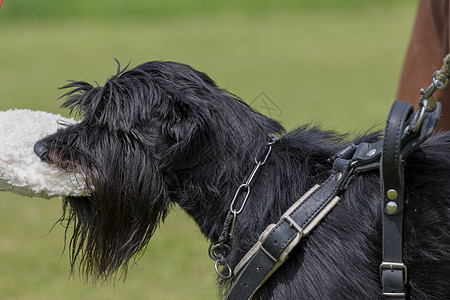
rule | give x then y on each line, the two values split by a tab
397	146
298	221
279	239
393	272
286	234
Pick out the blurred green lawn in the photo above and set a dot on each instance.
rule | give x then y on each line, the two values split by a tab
338	67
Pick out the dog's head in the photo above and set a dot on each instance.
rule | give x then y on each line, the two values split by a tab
144	131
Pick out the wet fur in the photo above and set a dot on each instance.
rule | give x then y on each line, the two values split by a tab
163	133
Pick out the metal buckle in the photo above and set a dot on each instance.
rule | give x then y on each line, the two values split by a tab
392	266
268	254
293	224
394	294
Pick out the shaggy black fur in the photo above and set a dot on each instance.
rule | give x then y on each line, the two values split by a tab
164	133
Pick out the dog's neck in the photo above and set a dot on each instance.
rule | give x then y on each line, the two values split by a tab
215	185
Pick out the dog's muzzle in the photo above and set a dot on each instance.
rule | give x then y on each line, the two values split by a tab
40	148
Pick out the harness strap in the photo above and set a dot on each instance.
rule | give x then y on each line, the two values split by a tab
298	221
277	241
273	247
393	271
399	142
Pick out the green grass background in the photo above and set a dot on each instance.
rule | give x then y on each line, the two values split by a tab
328	61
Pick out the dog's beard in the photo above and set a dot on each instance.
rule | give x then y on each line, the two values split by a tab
103	236
114	222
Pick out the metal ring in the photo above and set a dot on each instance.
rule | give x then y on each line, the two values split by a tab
274	139
216	266
212	254
212	251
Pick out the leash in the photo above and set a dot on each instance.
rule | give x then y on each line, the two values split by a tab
405	131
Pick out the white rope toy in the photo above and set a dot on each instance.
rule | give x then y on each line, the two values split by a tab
21	171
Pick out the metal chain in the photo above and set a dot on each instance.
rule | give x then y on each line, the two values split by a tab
219	251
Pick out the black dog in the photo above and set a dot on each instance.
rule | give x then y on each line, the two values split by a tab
164	133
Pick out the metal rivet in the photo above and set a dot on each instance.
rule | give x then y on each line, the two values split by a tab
338	176
392	194
391	207
371	152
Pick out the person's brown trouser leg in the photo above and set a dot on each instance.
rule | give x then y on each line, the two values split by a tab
428	46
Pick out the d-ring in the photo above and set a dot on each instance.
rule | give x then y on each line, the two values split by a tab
212	250
216	266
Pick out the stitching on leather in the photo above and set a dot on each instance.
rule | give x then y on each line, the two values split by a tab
323	203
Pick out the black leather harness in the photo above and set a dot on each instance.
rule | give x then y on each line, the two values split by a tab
405	130
399	142
403	134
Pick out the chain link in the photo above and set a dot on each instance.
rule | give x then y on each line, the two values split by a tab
219	251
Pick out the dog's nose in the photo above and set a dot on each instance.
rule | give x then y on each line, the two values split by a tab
40	148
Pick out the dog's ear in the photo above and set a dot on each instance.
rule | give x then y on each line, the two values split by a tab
99	104
189	134
81	97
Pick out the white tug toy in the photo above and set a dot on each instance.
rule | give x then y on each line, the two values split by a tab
21	171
